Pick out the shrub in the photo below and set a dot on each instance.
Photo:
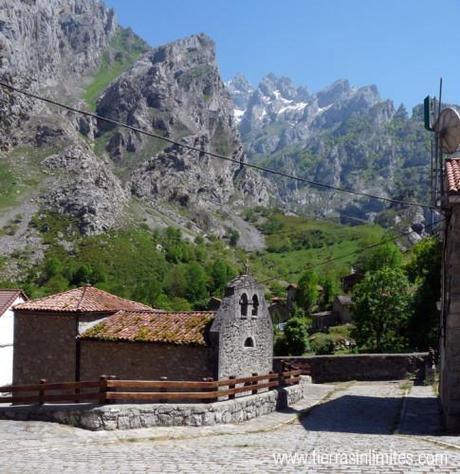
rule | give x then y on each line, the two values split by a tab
280	348
322	344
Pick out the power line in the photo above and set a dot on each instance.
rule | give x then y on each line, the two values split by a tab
215	155
356	252
329	220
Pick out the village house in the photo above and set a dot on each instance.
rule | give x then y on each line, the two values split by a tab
323	320
340	314
450	303
341	308
47	332
279	312
8	298
348	282
83	333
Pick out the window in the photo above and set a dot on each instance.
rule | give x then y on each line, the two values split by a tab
244	304
249	342
255	305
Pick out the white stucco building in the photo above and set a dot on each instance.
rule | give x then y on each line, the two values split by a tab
8	299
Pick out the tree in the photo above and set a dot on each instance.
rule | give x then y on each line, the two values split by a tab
381	308
175	283
53	267
197	288
221	273
330	290
233	236
148	292
307	291
424	270
56	284
295	334
387	255
175	250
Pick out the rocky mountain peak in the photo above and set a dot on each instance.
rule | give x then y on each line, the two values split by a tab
176	90
337	91
47	39
338	136
97	174
191	49
240	90
282	87
48	45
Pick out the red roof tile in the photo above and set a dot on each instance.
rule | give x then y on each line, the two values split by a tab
153	326
85	299
453	176
8	297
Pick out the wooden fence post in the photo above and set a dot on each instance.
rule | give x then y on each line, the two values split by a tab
163	390
103	389
208	400
77	392
112	389
41	392
281	380
230	387
256	382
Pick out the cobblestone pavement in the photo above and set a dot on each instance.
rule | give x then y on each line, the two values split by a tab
356	421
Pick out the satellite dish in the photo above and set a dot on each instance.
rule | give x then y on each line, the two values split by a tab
448	127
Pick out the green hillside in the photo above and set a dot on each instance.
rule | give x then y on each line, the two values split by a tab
163	269
297	243
125	48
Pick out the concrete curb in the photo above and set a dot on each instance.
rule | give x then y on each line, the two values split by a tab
444	444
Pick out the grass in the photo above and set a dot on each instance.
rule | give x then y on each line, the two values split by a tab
10	186
125	48
20	173
11	227
295	243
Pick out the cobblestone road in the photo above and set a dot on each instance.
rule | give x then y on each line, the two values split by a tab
357	420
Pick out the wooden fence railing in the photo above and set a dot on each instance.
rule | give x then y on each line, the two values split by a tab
108	389
303	366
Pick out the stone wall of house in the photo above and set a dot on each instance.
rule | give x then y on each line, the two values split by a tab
122	417
450	325
44	347
147	361
242	334
335	368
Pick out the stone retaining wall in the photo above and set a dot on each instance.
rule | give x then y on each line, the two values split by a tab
340	368
113	417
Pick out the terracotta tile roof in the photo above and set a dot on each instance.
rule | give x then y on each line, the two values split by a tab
453	175
85	299
153	326
8	296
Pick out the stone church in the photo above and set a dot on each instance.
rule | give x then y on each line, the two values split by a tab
85	332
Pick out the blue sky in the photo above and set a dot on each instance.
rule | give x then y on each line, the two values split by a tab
402	46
